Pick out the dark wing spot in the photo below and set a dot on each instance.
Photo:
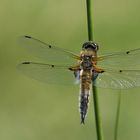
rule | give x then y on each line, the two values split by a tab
120	71
28	36
127	52
70	69
26	62
102	71
50	46
52	66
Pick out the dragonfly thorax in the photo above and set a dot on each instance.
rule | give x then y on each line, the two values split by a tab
86	62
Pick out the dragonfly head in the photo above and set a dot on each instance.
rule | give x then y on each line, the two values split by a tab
90	46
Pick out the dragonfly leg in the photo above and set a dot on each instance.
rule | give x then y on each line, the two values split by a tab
98	70
95	73
76	72
75	68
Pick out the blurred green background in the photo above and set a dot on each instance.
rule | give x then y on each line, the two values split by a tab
30	110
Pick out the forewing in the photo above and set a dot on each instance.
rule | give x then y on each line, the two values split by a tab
47	52
52	74
118	79
121	60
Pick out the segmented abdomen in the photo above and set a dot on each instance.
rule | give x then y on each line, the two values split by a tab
85	77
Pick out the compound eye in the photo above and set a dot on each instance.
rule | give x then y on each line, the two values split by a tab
90	45
96	46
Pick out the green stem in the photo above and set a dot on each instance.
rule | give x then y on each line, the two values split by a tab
94	91
97	114
89	20
117	117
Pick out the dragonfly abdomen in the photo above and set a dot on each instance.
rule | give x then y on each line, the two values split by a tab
85	77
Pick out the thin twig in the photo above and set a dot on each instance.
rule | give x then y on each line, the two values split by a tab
94	91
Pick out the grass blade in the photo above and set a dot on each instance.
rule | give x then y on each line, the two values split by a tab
117	116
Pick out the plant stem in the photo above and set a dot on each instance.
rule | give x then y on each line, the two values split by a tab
117	117
94	90
89	20
97	114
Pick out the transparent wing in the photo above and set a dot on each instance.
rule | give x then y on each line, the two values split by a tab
52	74
47	52
118	79
121	60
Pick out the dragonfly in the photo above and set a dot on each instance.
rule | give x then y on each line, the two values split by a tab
119	70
